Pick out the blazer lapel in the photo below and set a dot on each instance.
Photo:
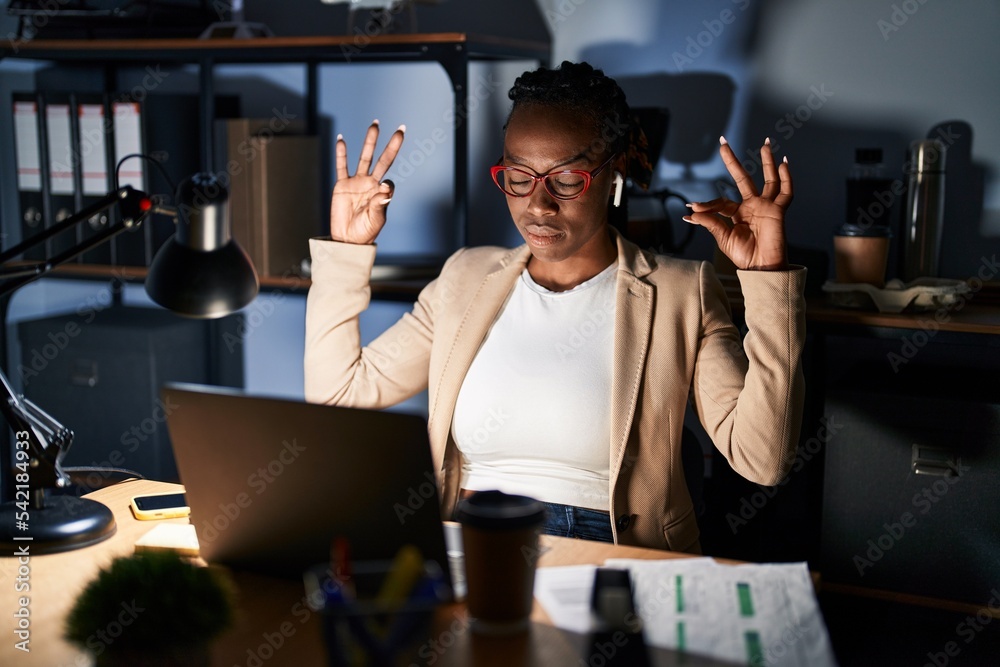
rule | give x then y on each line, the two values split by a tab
633	321
490	297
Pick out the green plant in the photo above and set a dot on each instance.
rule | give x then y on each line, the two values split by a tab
153	604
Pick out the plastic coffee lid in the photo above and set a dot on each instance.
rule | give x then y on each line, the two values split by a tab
849	229
496	509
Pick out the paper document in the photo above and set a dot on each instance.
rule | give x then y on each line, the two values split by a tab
744	614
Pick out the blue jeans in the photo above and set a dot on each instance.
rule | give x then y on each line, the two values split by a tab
578	522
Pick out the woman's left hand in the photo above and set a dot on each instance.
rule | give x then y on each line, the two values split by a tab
755	239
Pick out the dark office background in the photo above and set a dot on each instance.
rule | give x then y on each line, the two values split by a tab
820	78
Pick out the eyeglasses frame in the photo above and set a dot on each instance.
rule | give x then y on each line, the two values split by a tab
588	177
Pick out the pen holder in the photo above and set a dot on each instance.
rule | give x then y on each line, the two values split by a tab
365	625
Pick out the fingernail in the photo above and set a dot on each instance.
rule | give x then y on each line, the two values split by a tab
785	159
375	121
687	219
386	201
340	137
689	205
722	140
767	141
401	128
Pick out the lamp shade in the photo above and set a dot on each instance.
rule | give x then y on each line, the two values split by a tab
200	271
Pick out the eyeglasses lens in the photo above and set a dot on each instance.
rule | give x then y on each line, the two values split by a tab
560	185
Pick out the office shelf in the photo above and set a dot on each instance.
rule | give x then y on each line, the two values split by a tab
453	51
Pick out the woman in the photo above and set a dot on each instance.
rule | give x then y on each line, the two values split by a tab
562	369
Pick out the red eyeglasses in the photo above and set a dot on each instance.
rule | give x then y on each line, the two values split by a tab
564	185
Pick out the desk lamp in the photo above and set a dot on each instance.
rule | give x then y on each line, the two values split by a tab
199	272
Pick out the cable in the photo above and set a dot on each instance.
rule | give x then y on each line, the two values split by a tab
159	165
666	194
80	475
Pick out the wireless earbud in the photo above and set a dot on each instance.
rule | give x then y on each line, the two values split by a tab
619	185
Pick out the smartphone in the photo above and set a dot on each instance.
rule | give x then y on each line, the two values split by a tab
160	506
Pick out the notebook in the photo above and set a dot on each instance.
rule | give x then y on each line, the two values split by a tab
271	482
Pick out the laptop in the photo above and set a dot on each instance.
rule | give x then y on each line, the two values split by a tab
272	482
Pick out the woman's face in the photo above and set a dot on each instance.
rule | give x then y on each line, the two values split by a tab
540	140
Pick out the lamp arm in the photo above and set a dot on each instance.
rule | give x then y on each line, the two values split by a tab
44	440
135	205
40	436
209	282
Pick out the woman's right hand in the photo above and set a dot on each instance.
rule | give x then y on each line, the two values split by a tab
357	210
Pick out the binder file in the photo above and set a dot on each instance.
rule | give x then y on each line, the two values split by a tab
173	138
61	172
29	163
94	177
285	203
271	220
165	127
131	247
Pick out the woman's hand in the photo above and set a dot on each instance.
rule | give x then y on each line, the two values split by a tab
755	239
357	210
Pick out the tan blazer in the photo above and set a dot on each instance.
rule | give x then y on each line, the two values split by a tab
674	339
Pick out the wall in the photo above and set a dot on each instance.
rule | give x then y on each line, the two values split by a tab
820	78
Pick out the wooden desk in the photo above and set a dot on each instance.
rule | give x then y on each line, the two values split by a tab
275	627
972	317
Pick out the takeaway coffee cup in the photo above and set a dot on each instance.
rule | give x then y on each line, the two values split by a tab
860	254
500	537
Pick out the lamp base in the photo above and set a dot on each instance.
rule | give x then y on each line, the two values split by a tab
63	524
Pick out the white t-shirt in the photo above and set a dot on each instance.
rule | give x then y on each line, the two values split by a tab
533	415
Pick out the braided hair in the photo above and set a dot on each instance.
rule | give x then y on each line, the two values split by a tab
588	92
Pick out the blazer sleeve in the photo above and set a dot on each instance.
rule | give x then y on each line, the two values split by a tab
750	397
391	368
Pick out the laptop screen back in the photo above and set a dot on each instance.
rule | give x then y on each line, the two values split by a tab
272	482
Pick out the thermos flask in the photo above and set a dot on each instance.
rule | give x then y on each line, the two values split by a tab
924	214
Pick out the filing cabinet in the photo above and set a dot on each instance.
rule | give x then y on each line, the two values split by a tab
912	479
99	373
